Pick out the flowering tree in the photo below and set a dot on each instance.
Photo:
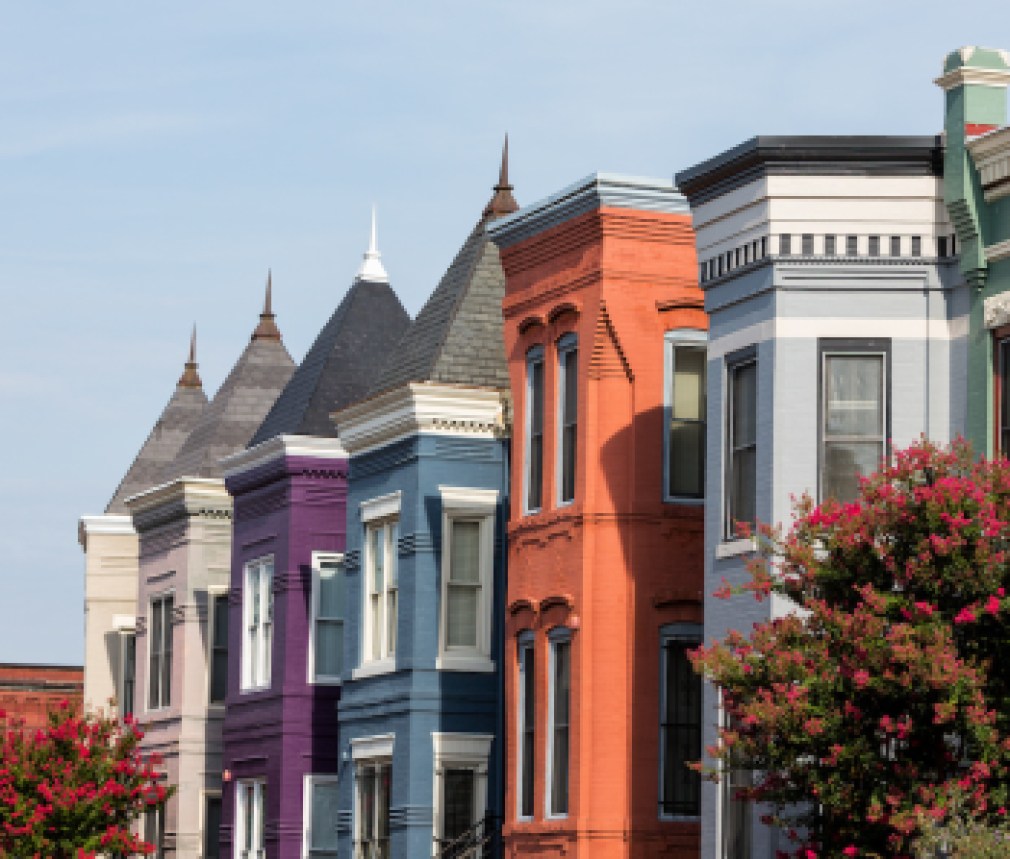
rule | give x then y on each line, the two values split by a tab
881	704
73	788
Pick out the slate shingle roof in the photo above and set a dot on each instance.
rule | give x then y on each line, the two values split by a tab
342	365
239	406
180	416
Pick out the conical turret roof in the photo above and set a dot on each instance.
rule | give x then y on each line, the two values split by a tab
179	417
241	403
457	337
345	359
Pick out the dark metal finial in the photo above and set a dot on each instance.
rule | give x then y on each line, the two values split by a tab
502	203
190	378
267	328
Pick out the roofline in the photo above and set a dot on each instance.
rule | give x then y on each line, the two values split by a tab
920	155
58	665
279	447
587	194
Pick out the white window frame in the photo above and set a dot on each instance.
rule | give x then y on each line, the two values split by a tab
168	633
671	340
459	751
565	344
380	514
125	627
256	674
525	642
370	751
558	635
254	789
466	503
309	783
319	559
206	795
689	635
214	593
535	355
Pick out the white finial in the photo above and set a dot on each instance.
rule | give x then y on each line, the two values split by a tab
372	269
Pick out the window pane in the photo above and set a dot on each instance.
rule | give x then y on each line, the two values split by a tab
559	762
331	591
329	647
528	738
391	622
844	462
689	383
219	648
129	673
687	458
212	828
323	826
378	555
743	491
461	615
457	802
535	391
744	381
464	556
681	732
1004	398
854	396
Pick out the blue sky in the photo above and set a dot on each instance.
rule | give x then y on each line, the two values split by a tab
156	158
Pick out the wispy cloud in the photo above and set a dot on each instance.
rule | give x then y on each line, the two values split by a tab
124	128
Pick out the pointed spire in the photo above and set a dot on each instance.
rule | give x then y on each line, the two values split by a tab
372	269
267	329
190	378
502	203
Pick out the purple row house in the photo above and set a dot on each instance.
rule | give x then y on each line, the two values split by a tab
285	604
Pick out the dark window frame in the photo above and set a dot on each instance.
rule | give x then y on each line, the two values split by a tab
735	362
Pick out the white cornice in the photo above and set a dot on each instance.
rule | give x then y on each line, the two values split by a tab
104	525
468	498
422	407
190	490
991	154
998	251
382	507
369	748
282	446
971	75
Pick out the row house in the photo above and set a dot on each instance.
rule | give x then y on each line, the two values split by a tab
605	339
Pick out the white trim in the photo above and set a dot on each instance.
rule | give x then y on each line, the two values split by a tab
733	548
261	678
526	641
671	339
254	788
459	751
377	746
107	525
166	623
124	622
557	637
998	78
459	662
195	491
318	559
282	446
386	531
535	354
381	507
998	251
567	342
422	407
309	782
374	667
467	498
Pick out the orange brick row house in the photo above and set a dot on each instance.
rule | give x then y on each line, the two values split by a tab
605	342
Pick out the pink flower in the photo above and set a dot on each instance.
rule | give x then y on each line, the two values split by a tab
966	615
992	606
861	677
851	850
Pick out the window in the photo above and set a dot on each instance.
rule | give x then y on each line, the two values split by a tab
373	784
326	628
461	766
808	244
735	811
558	708
568	406
854	413
785	244
212	826
829	245
321	807
874	246
941	246
851	246
680	724
468	517
1002	398
218	647
159	678
917	246
127	684
764	247
250	802
526	732
534	428
257	626
895	246
381	589
741	478
685	407
154	830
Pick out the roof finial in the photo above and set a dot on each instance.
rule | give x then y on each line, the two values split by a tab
190	378
502	203
267	328
371	268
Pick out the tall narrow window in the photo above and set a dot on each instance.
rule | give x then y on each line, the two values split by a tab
160	649
128	672
851	246
685	405
735	811
680	725
874	246
785	244
854	410
326	648
250	803
373	786
568	407
917	246
380	590
461	770
741	484
534	428
321	807
1003	392
154	830
218	647
808	244
526	733
212	827
829	245
257	610
895	246
559	701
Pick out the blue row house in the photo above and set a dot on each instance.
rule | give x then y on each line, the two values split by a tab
421	704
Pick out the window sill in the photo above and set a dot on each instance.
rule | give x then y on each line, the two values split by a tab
374	667
687	501
254	690
459	662
680	818
325	681
734	548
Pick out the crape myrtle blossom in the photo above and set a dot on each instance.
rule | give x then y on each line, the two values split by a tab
74	788
883	702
